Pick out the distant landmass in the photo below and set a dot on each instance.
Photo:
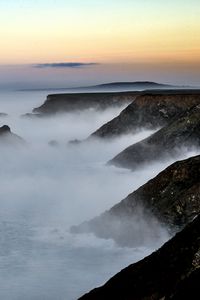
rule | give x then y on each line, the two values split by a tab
115	86
128	86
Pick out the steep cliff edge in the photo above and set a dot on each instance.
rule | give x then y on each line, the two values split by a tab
172	199
57	103
149	111
172	272
169	141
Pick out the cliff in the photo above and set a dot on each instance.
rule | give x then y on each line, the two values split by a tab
169	141
57	103
149	111
172	272
172	199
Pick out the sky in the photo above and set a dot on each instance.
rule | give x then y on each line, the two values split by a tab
156	33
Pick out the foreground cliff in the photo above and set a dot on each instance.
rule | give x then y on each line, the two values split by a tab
7	137
172	272
59	103
172	199
150	110
168	142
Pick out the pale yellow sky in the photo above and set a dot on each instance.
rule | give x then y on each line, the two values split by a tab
99	31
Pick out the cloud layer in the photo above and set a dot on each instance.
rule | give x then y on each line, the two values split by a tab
65	65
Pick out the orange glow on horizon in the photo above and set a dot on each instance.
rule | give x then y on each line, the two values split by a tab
128	33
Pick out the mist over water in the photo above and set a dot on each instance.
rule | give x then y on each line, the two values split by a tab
45	190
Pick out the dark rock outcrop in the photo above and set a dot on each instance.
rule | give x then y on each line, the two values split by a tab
7	137
149	111
172	272
169	141
172	199
5	129
59	103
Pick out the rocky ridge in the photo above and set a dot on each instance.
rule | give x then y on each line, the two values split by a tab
170	141
172	199
150	110
172	272
59	103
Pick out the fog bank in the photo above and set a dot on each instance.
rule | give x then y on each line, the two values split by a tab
45	190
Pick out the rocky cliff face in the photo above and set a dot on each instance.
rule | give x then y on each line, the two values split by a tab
7	137
172	199
148	111
77	102
5	129
172	272
169	141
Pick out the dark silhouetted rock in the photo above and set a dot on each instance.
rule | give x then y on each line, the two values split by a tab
172	199
172	272
59	103
5	129
7	137
149	111
169	141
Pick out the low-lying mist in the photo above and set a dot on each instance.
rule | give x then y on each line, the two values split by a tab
68	183
45	190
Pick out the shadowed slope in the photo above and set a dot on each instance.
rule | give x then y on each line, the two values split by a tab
168	273
169	141
172	198
148	111
59	103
